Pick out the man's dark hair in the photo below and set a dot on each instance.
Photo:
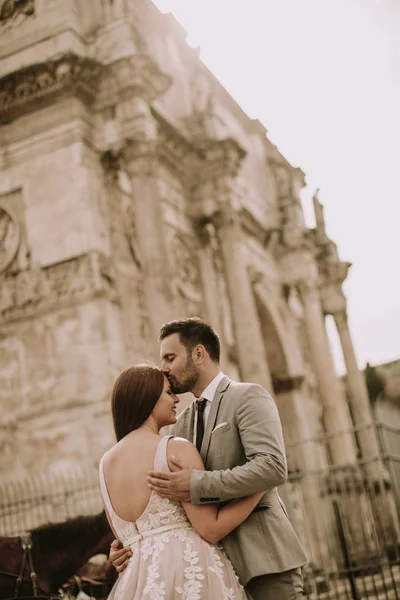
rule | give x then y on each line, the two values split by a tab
193	331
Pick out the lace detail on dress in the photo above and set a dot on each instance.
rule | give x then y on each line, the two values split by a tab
193	574
161	512
219	569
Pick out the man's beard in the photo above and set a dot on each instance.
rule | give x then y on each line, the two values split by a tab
187	380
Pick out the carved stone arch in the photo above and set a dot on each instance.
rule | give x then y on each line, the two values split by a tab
281	345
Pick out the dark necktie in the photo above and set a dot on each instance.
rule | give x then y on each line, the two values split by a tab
201	405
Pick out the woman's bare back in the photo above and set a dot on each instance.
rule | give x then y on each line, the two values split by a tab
126	467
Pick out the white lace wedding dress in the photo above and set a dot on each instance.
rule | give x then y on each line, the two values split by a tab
170	560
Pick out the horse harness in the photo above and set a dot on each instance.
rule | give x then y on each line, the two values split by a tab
26	545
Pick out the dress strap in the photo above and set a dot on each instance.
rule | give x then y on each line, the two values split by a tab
160	459
104	490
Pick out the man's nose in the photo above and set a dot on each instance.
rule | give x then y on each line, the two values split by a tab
164	367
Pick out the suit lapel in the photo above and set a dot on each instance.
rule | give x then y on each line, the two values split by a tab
185	425
222	387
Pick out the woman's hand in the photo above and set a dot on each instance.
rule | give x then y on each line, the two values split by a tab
119	556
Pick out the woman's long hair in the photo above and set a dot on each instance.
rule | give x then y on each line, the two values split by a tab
135	394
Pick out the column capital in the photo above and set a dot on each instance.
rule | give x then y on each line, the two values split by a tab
140	157
333	272
333	299
299	269
131	77
214	185
123	105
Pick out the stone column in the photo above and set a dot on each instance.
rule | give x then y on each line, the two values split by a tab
208	275
300	270
250	345
210	283
141	165
334	303
131	86
215	201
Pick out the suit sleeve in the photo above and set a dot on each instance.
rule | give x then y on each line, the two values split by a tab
260	431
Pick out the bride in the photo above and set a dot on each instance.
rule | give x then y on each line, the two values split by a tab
174	546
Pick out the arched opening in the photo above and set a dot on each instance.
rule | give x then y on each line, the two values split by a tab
286	368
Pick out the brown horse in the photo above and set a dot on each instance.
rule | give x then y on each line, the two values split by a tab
58	551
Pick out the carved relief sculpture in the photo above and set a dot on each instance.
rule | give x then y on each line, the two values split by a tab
186	272
15	11
34	290
10	238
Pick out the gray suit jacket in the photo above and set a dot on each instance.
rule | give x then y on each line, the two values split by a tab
243	456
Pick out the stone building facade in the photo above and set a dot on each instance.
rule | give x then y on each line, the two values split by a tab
133	190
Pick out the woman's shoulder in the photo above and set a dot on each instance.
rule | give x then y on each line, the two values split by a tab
180	444
185	451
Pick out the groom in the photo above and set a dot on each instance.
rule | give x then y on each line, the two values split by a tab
237	430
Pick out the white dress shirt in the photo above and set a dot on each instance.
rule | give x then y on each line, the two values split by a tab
208	395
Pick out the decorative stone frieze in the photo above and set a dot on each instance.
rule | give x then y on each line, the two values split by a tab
14	12
34	291
40	83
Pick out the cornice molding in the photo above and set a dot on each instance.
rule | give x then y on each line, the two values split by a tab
30	87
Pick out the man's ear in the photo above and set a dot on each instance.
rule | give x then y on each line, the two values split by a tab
199	354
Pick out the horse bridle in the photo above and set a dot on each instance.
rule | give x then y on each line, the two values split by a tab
26	546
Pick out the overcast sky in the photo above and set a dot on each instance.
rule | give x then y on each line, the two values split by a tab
323	76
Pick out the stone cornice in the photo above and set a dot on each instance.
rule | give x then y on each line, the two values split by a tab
276	160
41	83
333	299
